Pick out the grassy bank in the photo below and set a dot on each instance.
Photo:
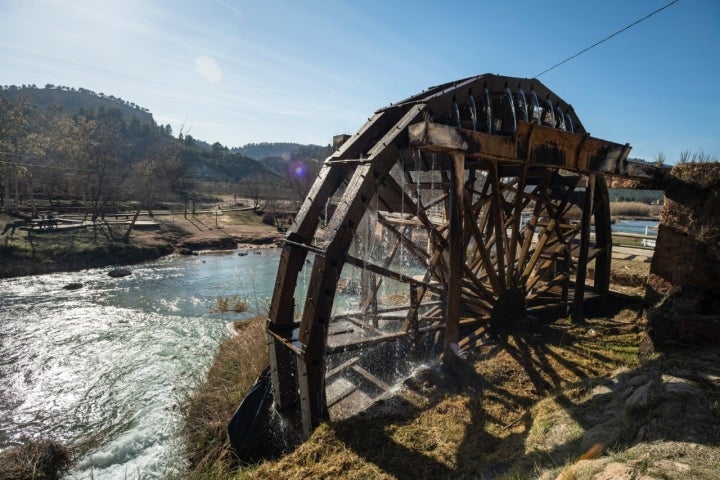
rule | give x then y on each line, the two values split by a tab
34	253
206	413
565	401
26	253
634	210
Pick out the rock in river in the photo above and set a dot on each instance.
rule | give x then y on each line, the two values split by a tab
119	272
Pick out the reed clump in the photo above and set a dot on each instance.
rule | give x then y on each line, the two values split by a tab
207	411
232	303
634	209
42	459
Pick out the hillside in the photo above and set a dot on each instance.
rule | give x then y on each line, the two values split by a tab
279	157
209	166
283	150
73	130
72	100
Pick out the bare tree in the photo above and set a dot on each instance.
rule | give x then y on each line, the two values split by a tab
13	135
158	176
259	188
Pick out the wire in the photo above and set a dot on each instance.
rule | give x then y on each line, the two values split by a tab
607	38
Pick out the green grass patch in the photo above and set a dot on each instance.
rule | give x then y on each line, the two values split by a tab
26	253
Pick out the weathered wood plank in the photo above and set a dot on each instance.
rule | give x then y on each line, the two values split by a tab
371	378
438	137
535	145
603	239
340	368
386	272
363	343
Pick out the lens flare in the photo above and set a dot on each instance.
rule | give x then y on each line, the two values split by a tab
298	169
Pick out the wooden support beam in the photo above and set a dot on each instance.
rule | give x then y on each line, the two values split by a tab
390	273
281	316
340	368
571	151
363	343
603	239
413	318
456	254
364	325
305	246
421	255
500	231
284	341
380	311
370	378
472	339
341	396
578	312
436	137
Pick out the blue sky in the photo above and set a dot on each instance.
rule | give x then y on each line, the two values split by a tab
281	70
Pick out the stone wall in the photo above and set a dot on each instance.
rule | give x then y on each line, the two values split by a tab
683	289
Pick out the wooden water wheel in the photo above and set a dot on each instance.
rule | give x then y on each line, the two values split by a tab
465	210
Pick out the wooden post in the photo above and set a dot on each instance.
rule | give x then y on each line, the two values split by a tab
603	239
456	254
413	314
578	313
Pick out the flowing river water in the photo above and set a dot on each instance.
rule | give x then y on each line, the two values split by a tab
109	363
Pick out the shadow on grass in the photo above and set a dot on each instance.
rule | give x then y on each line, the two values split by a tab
540	400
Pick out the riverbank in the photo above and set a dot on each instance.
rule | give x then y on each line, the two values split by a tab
32	253
567	401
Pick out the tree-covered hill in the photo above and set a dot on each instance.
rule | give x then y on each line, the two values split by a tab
281	150
60	142
71	99
230	167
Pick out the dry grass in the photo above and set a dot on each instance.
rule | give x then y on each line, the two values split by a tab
232	303
42	459
471	420
207	412
634	209
530	406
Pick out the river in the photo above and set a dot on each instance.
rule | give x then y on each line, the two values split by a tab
110	362
641	227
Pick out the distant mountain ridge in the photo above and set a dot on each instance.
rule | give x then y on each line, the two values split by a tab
278	156
284	150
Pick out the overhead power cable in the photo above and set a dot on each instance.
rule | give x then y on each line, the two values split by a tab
607	38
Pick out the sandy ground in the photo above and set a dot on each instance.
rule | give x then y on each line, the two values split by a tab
209	230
